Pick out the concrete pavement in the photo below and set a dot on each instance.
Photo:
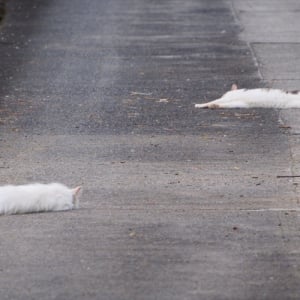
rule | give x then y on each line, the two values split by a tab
178	203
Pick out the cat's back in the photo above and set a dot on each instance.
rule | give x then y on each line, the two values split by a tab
9	190
35	197
27	189
14	191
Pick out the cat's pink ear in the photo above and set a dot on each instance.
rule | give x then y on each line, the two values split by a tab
76	191
234	87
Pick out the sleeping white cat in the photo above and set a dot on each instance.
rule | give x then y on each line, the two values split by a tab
37	197
243	98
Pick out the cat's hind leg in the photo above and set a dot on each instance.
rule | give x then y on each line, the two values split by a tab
207	105
222	104
212	105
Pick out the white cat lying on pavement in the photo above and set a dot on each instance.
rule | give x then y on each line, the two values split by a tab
243	98
37	197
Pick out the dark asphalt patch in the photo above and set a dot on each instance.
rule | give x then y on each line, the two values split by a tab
90	78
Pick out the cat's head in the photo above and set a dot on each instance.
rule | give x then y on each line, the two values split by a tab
76	194
233	92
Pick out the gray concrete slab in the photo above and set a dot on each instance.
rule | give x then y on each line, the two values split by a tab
207	172
269	21
277	52
282	64
178	203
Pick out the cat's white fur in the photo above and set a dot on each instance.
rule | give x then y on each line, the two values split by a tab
243	98
37	197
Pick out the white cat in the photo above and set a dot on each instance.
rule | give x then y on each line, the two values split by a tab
243	98
37	197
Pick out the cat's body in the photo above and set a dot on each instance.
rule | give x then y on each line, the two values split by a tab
37	197
265	98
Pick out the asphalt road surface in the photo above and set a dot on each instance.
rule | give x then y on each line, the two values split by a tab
178	203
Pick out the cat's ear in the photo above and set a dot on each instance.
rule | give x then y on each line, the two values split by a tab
234	87
76	191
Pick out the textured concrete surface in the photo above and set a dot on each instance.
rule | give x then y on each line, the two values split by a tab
178	203
277	53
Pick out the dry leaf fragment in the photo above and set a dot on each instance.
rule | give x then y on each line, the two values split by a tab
163	100
142	94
